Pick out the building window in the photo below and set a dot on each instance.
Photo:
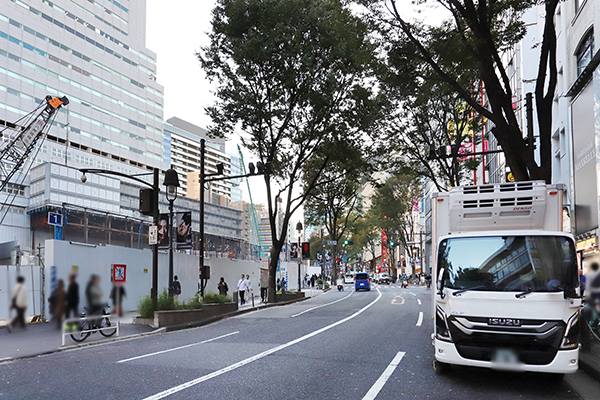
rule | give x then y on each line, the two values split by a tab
585	52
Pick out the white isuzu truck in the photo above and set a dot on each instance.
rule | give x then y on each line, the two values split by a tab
507	286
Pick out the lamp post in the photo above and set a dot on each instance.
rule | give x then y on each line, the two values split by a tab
299	250
172	183
205	178
153	211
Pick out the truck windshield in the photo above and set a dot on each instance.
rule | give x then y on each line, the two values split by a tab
508	263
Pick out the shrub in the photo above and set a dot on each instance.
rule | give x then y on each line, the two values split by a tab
163	302
212	298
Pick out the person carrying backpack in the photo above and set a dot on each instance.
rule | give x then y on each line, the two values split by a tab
176	287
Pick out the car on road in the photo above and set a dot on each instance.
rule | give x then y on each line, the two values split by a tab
384	278
362	281
348	278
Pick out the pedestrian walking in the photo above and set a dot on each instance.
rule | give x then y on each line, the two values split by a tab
18	301
593	282
222	286
282	284
241	287
176	287
93	294
249	291
278	284
58	300
72	299
116	295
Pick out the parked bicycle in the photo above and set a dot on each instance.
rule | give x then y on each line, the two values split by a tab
92	324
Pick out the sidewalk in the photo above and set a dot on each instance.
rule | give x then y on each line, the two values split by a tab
41	338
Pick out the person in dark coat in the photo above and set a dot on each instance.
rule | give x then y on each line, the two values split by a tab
222	286
72	299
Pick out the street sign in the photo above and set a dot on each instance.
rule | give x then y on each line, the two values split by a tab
119	272
153	235
331	242
55	219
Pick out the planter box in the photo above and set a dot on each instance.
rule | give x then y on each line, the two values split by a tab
180	317
288	296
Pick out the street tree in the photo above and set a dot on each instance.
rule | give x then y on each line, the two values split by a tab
485	29
393	209
291	75
335	204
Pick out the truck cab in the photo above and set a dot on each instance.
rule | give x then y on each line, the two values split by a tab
506	293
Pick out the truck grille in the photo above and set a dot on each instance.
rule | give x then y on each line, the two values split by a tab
535	341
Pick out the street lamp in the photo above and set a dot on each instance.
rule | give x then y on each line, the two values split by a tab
299	250
172	183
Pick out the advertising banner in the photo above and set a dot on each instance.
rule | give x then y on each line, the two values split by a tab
163	231
183	227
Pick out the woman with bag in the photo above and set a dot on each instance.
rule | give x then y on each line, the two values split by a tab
222	286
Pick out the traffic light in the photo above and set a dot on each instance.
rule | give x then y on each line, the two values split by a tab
392	243
306	251
147	201
346	242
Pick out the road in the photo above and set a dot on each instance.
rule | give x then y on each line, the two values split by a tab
339	345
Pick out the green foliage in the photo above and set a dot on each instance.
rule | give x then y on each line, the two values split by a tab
212	298
166	303
292	75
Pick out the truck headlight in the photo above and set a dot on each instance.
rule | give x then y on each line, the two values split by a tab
442	332
570	338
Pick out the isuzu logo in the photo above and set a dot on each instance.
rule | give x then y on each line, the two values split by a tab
504	321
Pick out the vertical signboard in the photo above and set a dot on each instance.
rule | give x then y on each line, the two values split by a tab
584	154
183	226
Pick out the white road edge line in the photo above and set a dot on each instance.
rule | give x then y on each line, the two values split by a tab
419	301
177	348
204	378
322	305
420	320
378	385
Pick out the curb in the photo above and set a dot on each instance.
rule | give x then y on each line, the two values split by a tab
80	346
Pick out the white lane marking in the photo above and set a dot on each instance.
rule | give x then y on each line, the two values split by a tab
420	320
414	294
177	348
322	305
376	388
222	371
419	301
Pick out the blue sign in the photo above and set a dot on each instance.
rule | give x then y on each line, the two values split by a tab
55	219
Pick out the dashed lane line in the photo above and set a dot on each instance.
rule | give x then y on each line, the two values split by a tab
419	301
323	305
378	385
420	320
246	361
177	348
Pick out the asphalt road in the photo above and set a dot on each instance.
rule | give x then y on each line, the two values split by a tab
339	345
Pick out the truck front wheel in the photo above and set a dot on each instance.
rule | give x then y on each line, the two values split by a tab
440	368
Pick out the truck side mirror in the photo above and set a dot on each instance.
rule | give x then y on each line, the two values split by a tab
440	282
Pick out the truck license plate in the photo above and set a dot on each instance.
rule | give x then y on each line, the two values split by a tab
504	358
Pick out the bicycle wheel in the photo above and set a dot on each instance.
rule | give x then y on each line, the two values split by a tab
83	331
105	323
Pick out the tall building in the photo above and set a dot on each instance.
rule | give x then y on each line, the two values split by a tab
94	53
182	150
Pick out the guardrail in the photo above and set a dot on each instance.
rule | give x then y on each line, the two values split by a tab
78	320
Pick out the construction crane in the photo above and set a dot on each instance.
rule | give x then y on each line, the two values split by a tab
253	217
20	145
